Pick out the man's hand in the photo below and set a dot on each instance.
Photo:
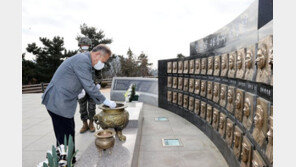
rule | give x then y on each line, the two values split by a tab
98	86
82	94
109	103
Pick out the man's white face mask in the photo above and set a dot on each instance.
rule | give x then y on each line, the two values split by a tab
99	65
85	48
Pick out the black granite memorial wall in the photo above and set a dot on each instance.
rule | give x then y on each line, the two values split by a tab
232	94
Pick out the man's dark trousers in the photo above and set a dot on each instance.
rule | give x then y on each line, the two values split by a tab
62	126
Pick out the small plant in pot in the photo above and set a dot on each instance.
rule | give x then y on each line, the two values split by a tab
60	156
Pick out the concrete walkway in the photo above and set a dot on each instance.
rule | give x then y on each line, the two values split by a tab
197	149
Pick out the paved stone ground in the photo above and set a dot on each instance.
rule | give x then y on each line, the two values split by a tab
197	150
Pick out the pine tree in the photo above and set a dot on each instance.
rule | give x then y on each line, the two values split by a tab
48	57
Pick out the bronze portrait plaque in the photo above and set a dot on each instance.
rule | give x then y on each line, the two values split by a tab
223	95
180	83
204	66
175	97
240	63
209	113
222	124
224	65
232	64
248	110
191	103
216	92
238	112
210	90
260	121
186	68
185	101
169	67
229	132
169	96
210	65
230	99
237	141
257	160
185	86
191	85
203	90
246	154
180	99
269	148
215	122
203	109
175	67
191	67
197	106
250	63
217	66
270	62
169	82
197	86
197	66
175	82
263	66
180	67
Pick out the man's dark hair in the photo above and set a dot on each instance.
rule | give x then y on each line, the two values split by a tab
102	47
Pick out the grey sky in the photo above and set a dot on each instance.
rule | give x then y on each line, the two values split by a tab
159	28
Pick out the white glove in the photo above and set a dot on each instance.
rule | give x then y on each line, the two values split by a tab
82	94
98	86
109	103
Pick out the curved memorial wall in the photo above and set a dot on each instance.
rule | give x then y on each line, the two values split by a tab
225	87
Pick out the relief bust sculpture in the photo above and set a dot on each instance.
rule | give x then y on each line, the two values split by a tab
229	132
196	106
185	101
197	86
180	67
222	124
260	122
180	99
197	66
204	66
239	105
215	122
216	92
230	99
269	148
224	65
169	82
175	97
203	110
175	67
240	65
246	154
210	66
203	88
257	160
191	103
209	90
248	111
175	82
169	67
217	66
186	68
180	83
232	65
209	113
191	85
223	95
263	67
185	87
191	67
169	96
237	142
249	63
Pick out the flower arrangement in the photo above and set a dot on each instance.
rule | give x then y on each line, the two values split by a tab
130	94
